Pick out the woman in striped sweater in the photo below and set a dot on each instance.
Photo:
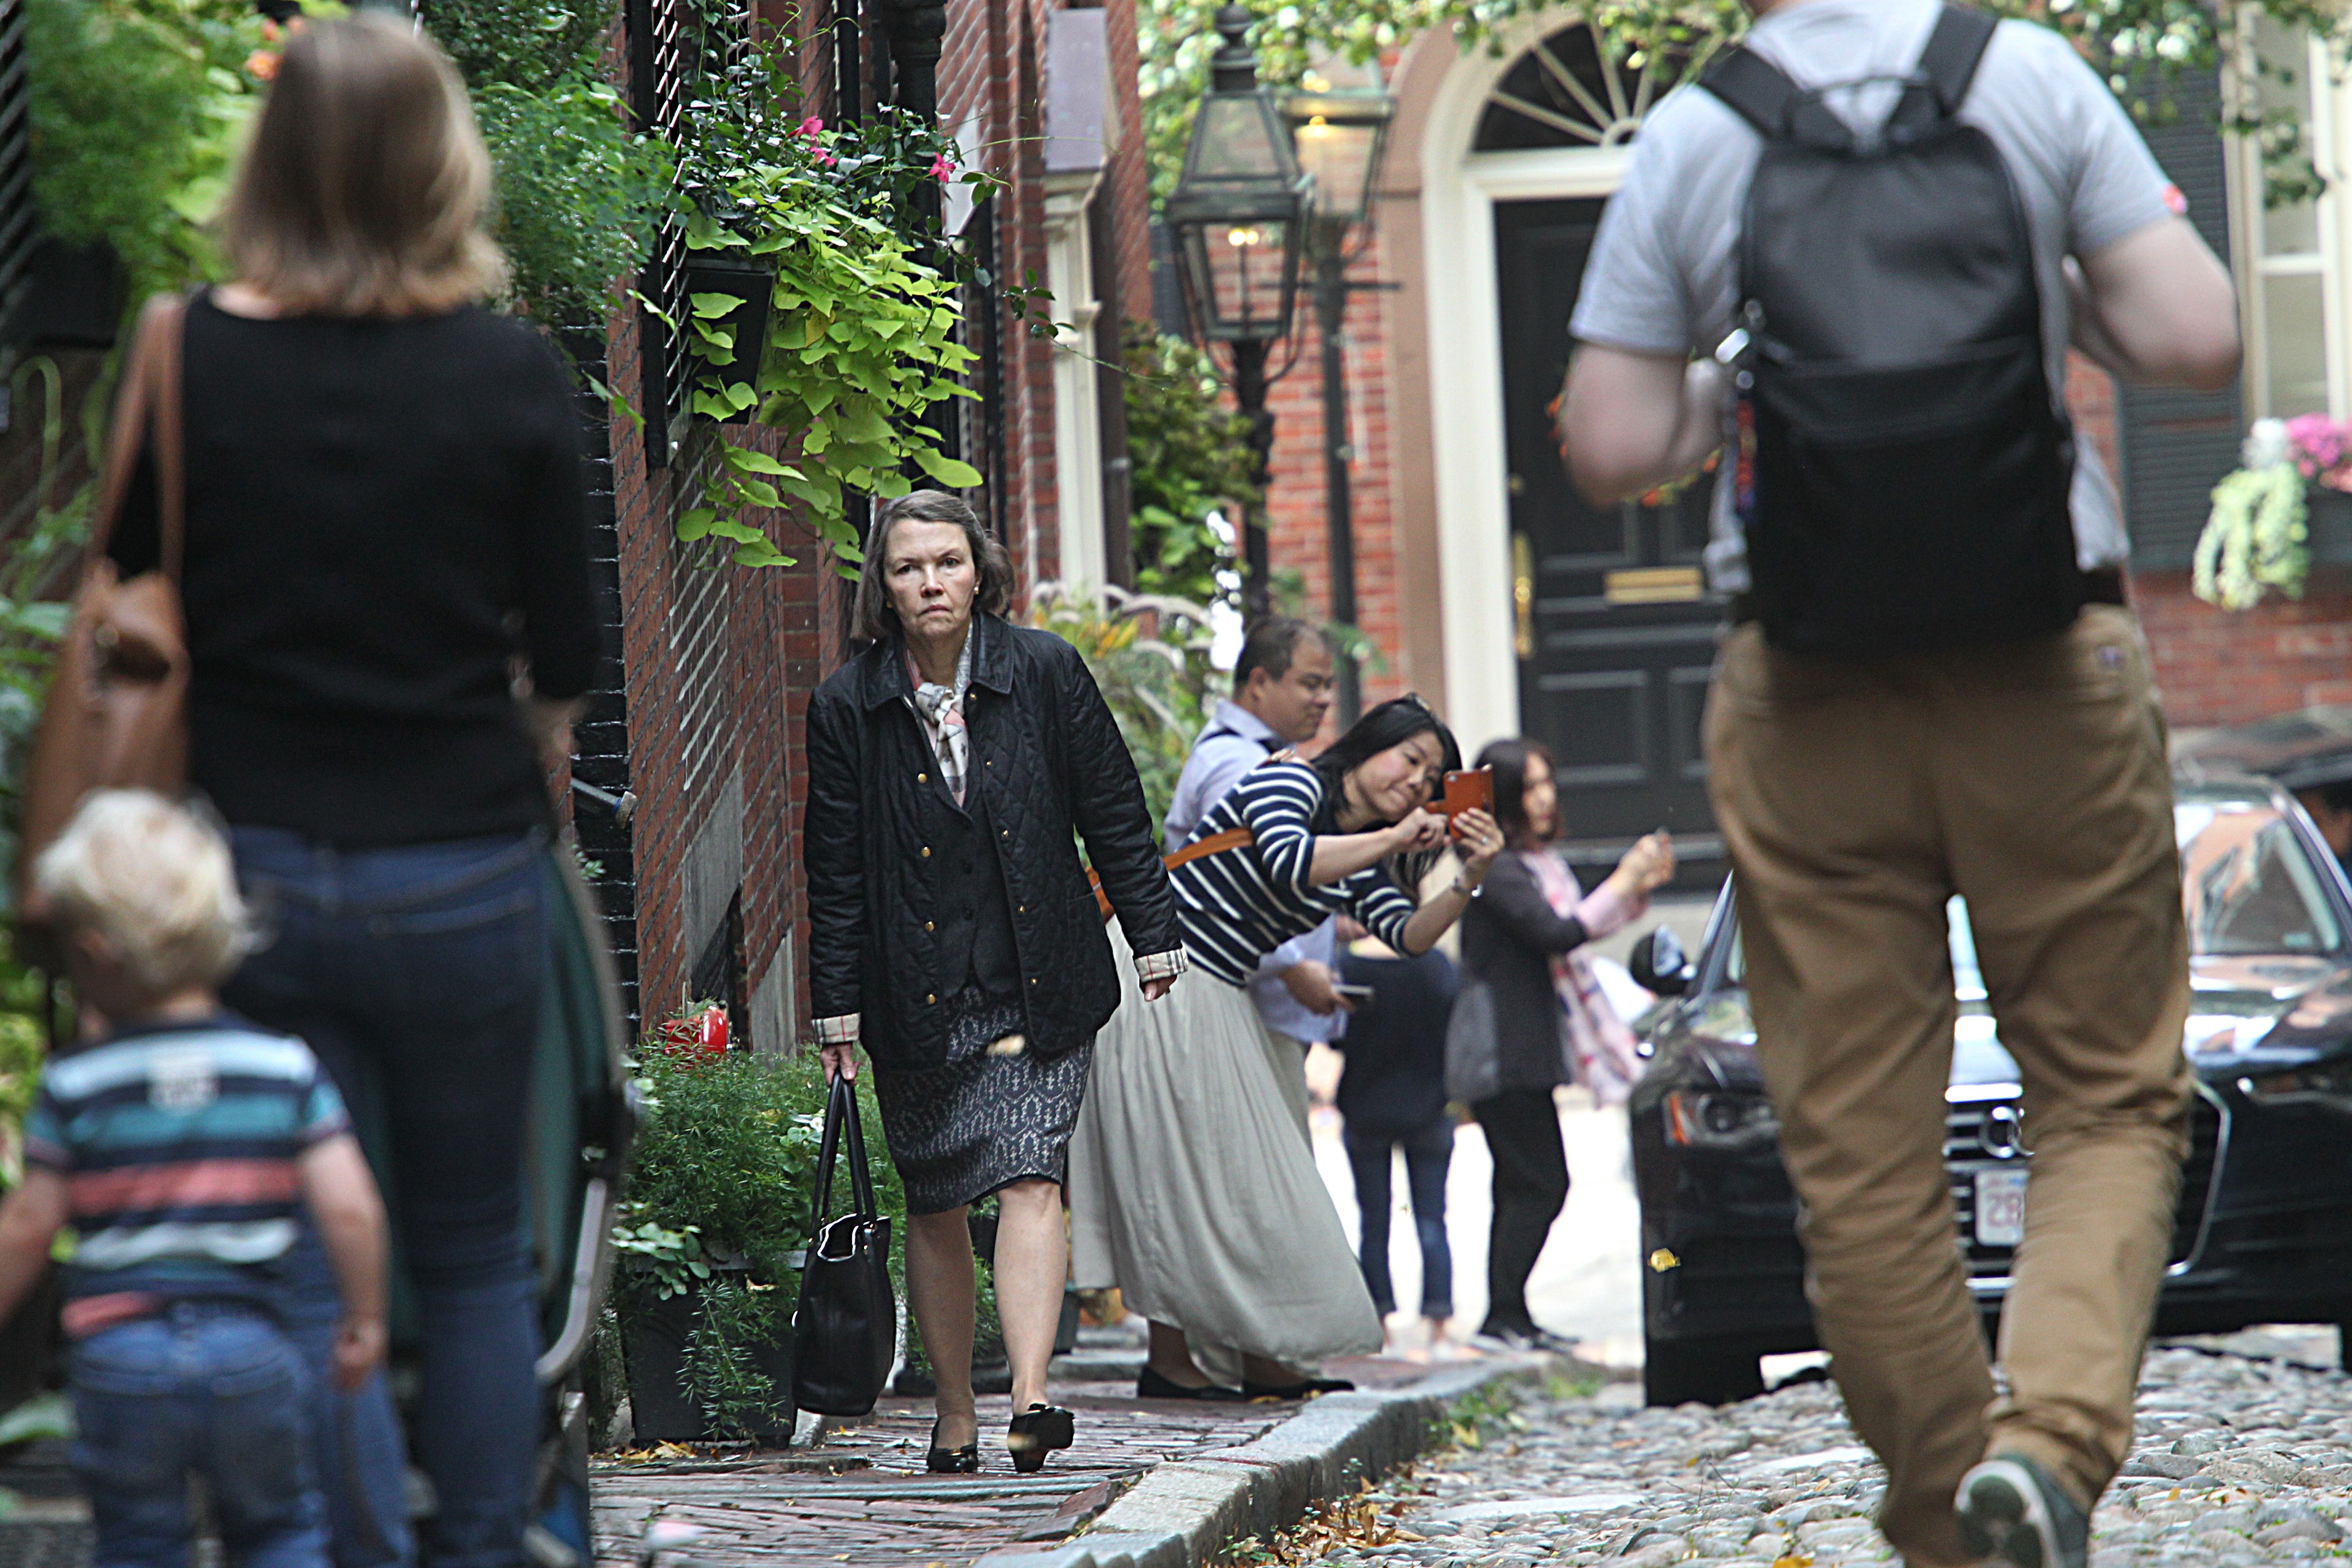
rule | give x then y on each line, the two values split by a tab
1189	1187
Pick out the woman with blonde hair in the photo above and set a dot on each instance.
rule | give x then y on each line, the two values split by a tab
383	515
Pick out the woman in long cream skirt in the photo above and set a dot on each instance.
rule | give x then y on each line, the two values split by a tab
1189	1187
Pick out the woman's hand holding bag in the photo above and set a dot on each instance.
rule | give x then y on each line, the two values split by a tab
845	1328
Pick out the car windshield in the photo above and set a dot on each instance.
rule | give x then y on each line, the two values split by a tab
2248	884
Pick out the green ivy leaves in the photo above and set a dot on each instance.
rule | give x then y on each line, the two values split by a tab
860	349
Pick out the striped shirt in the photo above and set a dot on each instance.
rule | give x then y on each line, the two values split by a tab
1238	905
178	1144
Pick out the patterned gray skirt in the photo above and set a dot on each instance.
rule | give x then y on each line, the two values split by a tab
985	1119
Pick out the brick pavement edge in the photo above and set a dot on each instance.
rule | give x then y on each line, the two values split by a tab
1185	1510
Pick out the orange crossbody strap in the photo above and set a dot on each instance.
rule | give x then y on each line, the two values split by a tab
1230	838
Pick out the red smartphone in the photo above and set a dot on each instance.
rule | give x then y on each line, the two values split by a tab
1472	789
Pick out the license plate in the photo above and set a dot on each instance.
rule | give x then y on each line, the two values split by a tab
2001	1208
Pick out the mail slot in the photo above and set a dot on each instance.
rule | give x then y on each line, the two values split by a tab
1654	586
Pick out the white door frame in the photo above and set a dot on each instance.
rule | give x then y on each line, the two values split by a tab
1459	190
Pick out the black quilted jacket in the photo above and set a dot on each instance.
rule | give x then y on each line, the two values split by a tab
1047	756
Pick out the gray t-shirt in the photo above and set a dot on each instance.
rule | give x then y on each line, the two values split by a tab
1663	278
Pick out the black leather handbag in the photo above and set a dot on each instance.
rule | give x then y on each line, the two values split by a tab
845	1328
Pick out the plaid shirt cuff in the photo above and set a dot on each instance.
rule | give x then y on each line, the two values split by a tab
1151	966
841	1030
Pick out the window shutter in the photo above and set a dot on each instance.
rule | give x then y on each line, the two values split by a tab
2177	446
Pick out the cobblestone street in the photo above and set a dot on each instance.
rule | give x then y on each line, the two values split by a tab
2240	1459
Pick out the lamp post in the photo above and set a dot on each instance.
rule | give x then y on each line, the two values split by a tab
1340	134
1234	214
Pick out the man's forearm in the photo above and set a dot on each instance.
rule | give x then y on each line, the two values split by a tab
1629	422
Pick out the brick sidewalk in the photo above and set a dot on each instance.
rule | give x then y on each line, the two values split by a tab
779	1510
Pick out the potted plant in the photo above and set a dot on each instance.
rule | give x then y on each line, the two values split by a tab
2287	507
718	1211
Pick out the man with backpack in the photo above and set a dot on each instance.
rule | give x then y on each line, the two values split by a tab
1855	256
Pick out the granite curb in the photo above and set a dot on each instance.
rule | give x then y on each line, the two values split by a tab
1184	1511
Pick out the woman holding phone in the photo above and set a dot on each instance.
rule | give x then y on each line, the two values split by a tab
1552	1024
1189	1187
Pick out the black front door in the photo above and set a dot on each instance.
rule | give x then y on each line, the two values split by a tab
1616	631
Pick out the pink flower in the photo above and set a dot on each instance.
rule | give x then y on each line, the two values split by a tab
811	127
942	168
2320	445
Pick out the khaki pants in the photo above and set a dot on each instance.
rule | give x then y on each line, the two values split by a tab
1856	796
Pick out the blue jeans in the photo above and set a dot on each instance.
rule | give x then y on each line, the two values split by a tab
1427	1154
213	1390
415	974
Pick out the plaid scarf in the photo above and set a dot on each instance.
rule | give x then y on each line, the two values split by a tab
940	711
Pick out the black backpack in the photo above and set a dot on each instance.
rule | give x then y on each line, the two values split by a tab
1911	462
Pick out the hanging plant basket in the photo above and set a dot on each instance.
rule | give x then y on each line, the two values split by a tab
2284	509
713	278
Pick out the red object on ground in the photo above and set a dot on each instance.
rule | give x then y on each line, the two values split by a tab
697	1037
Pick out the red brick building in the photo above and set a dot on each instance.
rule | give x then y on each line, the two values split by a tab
700	735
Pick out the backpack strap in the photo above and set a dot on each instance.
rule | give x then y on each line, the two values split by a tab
1753	88
1953	51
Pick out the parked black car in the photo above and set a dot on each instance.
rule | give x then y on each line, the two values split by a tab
2264	1233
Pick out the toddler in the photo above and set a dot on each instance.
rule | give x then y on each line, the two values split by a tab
179	1146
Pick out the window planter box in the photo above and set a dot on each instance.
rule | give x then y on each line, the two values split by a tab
2327	526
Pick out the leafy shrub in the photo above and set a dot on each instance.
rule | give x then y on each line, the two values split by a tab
1190	457
1149	655
579	191
533	45
576	192
135	107
726	1155
718	1202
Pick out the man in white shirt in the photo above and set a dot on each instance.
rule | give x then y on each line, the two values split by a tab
1282	690
1858	791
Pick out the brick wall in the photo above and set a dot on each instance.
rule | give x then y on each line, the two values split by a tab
2228	666
1298	533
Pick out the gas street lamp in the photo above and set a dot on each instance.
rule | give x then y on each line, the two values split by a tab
1341	134
1235	218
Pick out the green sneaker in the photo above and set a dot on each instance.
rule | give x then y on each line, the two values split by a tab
2011	1513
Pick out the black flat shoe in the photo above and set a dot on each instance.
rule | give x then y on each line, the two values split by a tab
1296	1390
963	1461
1037	1432
1149	1384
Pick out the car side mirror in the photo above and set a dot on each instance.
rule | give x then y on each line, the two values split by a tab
1658	963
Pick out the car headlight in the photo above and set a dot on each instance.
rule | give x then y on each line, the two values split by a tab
2330	1080
1717	1118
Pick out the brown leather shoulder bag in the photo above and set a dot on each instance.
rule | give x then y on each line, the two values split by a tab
117	715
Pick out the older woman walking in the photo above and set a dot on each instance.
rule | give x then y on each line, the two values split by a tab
1192	1191
952	934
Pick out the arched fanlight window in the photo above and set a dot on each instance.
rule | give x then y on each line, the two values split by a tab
1571	91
